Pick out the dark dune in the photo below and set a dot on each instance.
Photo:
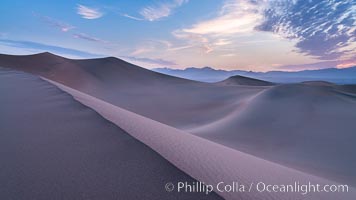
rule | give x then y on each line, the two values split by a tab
242	80
52	147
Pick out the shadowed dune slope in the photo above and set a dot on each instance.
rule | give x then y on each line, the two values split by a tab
174	101
241	80
52	147
207	161
309	126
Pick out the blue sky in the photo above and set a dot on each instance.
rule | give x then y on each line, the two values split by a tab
257	35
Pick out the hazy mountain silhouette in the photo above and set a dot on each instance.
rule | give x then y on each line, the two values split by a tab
208	74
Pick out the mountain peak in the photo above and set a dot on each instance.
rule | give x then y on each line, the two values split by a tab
208	68
203	68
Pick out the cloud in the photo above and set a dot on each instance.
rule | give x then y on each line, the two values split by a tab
131	17
55	23
194	40
88	38
68	28
321	65
40	47
222	42
159	11
151	45
88	13
180	47
141	50
321	28
346	64
236	16
157	61
207	48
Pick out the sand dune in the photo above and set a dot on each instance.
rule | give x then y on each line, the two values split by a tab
241	80
309	126
147	93
204	160
52	147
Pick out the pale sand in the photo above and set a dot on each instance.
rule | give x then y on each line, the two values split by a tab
309	126
204	160
53	147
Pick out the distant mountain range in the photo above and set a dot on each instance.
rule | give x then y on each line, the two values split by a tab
208	74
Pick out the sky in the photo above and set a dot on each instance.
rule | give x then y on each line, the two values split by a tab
257	35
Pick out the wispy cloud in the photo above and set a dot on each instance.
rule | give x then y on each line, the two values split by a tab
141	50
321	65
64	27
236	16
155	61
194	40
150	46
88	37
177	48
88	13
222	42
161	10
207	48
40	47
68	28
131	17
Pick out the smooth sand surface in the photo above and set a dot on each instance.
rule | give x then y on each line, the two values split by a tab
310	127
204	160
53	147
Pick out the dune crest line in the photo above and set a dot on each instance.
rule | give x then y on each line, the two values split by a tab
204	160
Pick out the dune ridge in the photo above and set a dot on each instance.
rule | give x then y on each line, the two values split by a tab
54	147
151	94
202	159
